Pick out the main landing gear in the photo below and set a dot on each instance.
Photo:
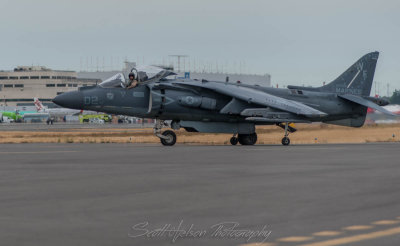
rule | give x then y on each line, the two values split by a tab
244	139
168	137
289	128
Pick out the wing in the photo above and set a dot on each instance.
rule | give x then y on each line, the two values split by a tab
252	95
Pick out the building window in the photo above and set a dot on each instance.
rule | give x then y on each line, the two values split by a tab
3	77
69	85
8	86
34	77
53	77
45	77
19	86
59	93
75	85
50	85
13	77
61	85
24	77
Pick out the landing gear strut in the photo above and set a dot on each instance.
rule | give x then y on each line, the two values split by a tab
287	128
167	138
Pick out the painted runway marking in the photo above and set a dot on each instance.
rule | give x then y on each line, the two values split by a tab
357	238
339	240
327	233
259	244
386	222
294	239
357	227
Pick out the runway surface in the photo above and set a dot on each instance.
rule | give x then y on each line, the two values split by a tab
110	194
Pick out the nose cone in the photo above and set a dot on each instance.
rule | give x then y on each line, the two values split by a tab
73	99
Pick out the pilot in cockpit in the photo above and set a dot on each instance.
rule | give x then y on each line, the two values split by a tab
132	81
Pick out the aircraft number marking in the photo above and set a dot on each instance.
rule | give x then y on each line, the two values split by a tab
93	100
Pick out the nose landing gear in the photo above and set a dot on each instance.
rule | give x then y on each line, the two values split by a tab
168	137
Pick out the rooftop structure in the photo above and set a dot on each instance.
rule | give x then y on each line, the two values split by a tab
19	86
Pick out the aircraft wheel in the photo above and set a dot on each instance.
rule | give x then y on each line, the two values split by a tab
247	139
234	140
285	141
170	140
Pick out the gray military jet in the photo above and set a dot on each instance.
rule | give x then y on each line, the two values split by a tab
236	108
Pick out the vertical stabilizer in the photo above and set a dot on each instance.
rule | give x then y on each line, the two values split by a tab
357	79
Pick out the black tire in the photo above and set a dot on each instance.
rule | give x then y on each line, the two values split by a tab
234	140
247	139
285	141
171	138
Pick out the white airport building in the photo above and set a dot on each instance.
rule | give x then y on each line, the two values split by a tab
20	86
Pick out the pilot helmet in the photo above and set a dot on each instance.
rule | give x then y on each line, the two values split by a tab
131	75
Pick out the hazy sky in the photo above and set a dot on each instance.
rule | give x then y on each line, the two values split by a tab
297	42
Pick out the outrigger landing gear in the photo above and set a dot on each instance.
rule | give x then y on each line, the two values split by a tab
167	138
288	129
285	139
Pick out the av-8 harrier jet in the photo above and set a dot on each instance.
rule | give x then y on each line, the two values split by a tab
236	108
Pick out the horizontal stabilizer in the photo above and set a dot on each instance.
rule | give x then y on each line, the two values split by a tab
366	103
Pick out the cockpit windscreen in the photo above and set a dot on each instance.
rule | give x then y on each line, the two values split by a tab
115	81
143	74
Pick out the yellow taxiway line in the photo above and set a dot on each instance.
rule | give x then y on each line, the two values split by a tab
341	240
357	238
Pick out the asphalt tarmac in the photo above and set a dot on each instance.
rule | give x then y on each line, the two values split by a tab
126	194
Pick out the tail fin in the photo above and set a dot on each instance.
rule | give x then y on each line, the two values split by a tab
357	79
38	104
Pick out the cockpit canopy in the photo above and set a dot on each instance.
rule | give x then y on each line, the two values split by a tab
115	81
145	74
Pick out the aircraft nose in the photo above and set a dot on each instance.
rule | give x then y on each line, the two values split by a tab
73	99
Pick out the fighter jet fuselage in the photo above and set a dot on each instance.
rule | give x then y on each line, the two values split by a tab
166	102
